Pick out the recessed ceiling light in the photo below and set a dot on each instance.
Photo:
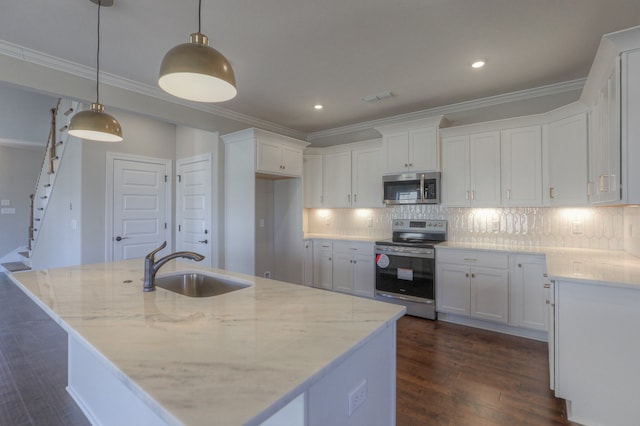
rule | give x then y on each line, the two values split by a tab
318	106
477	64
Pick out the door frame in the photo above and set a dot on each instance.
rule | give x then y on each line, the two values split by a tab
111	158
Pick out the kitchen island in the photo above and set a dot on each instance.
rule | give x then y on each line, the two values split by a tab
273	348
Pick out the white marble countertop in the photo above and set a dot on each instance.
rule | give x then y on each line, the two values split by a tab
370	239
231	359
607	267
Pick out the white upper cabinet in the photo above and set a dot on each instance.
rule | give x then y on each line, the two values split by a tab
521	166
337	180
566	147
412	146
471	170
350	176
278	155
612	93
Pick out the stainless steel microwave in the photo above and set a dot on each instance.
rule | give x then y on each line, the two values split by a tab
412	188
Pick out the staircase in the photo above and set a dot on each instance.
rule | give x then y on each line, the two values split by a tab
58	136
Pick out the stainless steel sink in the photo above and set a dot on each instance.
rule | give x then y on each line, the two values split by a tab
194	284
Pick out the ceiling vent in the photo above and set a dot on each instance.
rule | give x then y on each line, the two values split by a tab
378	96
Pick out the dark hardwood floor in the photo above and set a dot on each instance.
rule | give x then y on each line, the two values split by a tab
449	374
33	364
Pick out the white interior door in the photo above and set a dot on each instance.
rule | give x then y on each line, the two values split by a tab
193	208
139	208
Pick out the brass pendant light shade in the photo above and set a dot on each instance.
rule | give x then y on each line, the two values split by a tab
196	71
95	124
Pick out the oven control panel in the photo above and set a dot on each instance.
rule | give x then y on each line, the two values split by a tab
419	225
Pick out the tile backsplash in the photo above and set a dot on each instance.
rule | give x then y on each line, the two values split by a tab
595	228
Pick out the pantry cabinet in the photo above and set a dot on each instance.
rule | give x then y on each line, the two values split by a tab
473	283
471	170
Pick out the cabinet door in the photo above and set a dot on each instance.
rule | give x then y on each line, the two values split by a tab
366	184
396	149
308	263
269	157
484	169
343	272
322	265
312	181
528	297
455	172
291	161
364	275
452	291
337	180
521	166
490	294
567	160
423	149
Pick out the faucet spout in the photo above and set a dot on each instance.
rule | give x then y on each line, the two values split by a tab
151	265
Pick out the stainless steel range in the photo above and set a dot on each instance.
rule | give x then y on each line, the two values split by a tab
406	265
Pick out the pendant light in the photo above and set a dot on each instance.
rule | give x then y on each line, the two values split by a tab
95	124
196	71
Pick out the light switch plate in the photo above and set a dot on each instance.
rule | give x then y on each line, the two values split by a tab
5	203
6	210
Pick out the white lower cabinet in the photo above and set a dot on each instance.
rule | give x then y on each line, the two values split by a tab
344	266
473	283
323	264
528	295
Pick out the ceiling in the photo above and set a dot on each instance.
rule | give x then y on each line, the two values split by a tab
289	55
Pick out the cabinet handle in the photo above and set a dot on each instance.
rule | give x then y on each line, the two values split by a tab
466	275
547	286
354	262
473	194
466	197
329	259
349	197
473	275
552	192
410	164
355	198
508	194
469	259
406	164
519	265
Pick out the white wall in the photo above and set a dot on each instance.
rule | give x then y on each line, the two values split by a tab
24	115
143	137
19	170
59	243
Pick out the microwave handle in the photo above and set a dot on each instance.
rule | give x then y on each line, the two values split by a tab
422	198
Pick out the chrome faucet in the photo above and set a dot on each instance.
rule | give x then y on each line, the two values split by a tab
151	266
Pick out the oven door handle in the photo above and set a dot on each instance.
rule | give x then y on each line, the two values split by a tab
404	254
406	299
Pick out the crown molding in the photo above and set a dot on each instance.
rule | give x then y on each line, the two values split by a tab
58	64
22	144
520	95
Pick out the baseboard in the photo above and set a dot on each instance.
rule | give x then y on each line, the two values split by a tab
491	326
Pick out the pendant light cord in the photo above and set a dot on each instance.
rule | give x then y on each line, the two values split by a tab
98	58
199	14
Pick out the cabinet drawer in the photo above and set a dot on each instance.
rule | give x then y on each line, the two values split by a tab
355	247
473	258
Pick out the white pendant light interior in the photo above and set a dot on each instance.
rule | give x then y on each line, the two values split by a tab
95	124
196	71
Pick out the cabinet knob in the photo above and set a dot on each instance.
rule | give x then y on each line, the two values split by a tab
519	265
406	164
466	275
410	164
473	275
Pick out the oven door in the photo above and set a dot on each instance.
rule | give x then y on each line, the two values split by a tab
405	275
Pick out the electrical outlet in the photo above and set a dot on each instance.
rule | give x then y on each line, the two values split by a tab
577	228
267	274
357	397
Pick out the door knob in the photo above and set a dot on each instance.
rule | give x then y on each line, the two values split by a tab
119	238
204	241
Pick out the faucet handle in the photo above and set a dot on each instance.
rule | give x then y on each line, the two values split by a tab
153	253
